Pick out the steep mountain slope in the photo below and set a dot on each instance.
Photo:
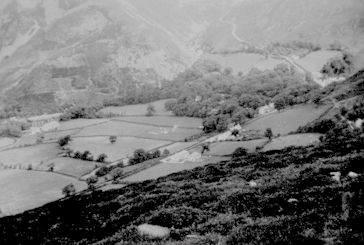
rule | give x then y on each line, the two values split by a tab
88	50
261	22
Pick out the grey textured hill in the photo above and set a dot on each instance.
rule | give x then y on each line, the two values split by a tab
85	50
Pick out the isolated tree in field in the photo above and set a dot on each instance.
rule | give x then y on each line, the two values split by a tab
116	173
150	110
205	147
85	155
69	190
30	167
64	141
91	181
235	132
112	139
101	158
51	167
165	152
268	133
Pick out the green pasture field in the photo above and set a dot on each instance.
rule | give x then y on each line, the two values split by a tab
56	135
122	148
70	166
22	190
80	123
164	121
314	61
23	156
286	121
292	140
137	130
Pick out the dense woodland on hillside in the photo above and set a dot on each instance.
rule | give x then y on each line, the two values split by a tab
296	198
206	78
218	96
206	91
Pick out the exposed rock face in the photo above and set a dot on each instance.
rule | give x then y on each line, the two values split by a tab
74	49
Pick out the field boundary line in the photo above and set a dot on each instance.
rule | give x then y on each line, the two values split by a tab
126	136
80	128
151	124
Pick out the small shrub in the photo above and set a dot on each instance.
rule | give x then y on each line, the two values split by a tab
101	158
239	152
69	190
64	141
102	171
165	153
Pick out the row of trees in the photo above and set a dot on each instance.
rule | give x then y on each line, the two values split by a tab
86	155
141	155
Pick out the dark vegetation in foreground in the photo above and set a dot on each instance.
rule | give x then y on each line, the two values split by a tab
295	201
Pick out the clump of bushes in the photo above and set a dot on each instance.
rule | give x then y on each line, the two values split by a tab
77	112
64	141
114	170
141	155
338	66
69	190
86	156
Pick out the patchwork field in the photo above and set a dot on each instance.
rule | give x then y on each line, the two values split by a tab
286	121
164	121
21	190
137	130
69	166
34	155
227	148
122	148
292	140
137	110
